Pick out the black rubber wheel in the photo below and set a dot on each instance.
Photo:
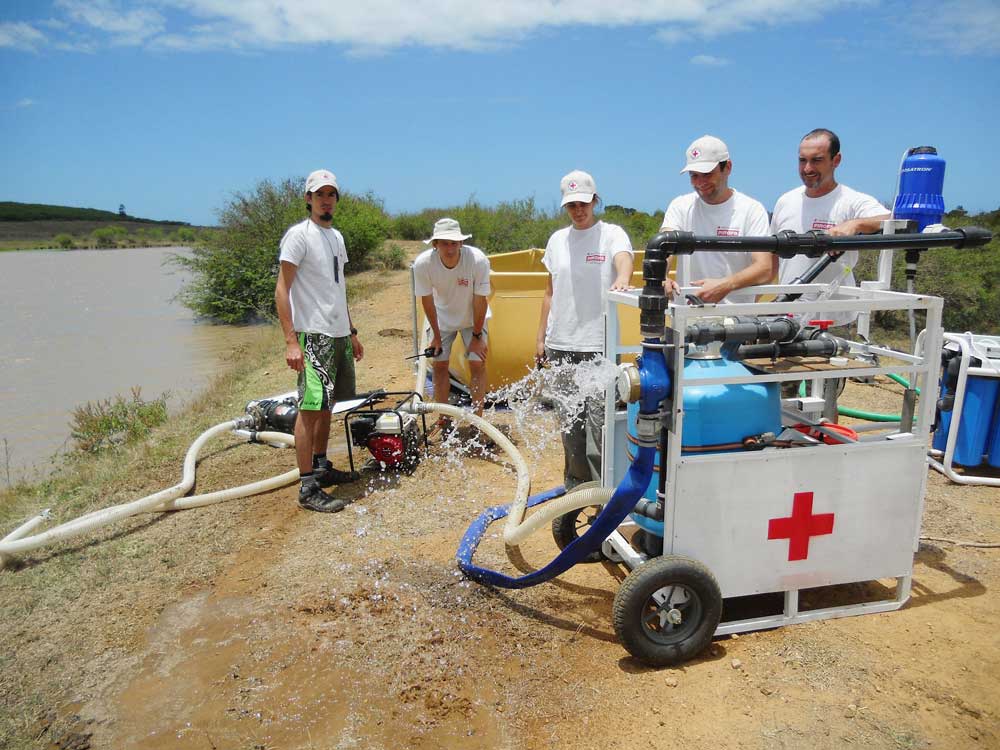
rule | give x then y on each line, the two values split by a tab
667	610
650	545
569	527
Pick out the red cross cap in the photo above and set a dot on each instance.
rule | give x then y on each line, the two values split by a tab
695	153
572	186
799	527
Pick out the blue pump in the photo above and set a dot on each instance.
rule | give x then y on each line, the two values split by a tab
921	181
709	425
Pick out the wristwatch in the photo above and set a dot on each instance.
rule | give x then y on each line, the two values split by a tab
477	335
354	331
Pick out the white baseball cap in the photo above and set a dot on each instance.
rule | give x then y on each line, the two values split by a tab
321	178
577	186
704	154
447	229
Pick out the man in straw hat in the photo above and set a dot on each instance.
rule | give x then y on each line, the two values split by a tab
452	280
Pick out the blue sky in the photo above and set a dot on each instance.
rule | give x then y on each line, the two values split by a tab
172	106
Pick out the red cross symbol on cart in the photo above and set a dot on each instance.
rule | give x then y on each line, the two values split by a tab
800	526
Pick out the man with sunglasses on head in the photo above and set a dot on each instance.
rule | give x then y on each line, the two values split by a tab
714	209
321	342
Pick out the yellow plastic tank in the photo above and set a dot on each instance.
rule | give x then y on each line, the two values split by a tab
518	280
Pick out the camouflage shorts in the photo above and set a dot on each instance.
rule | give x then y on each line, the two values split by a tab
328	372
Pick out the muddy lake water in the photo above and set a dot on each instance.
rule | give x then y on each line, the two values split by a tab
87	325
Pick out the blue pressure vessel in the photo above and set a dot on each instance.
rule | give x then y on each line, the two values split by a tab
974	423
921	180
715	415
993	445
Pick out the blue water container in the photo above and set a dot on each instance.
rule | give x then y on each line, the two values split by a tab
921	182
940	439
975	424
715	415
993	449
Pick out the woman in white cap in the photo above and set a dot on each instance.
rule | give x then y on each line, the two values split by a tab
584	260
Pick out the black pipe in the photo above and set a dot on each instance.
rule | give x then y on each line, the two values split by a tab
741	330
827	346
814	244
653	298
809	275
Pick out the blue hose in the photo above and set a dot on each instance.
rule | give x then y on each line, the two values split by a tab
622	503
655	384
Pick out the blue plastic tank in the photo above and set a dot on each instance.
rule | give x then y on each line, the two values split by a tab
993	446
921	182
974	426
715	415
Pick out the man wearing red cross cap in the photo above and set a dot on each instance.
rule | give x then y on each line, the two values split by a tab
714	209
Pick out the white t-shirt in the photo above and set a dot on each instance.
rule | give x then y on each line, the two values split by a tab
453	288
581	262
319	292
800	213
740	216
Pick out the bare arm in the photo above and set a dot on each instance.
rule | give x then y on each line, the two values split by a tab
543	322
480	304
286	277
623	272
763	267
430	312
859	226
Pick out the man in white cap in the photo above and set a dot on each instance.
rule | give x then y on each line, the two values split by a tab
714	209
822	204
452	280
321	342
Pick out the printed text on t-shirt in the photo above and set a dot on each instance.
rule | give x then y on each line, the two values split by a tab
727	232
463	282
596	258
822	224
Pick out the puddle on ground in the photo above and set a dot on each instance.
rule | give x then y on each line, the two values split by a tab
223	674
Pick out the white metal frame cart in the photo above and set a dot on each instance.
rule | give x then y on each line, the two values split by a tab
970	346
784	520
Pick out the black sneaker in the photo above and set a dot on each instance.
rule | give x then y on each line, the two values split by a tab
327	475
311	497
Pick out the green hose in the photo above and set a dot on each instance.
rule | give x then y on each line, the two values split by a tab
868	416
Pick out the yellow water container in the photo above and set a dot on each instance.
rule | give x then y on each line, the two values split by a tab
518	280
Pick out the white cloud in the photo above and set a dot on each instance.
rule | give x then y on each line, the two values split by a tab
123	27
367	26
964	27
24	103
710	61
21	36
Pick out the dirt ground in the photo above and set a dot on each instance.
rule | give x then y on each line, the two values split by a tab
279	628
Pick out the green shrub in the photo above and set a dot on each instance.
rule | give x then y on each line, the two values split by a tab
416	226
65	241
968	280
109	236
235	266
390	257
517	225
186	235
100	425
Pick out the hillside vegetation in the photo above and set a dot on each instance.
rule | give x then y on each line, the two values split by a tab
32	226
12	211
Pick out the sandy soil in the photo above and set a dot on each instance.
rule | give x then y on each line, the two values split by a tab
356	630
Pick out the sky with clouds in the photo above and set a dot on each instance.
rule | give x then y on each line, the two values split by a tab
173	106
